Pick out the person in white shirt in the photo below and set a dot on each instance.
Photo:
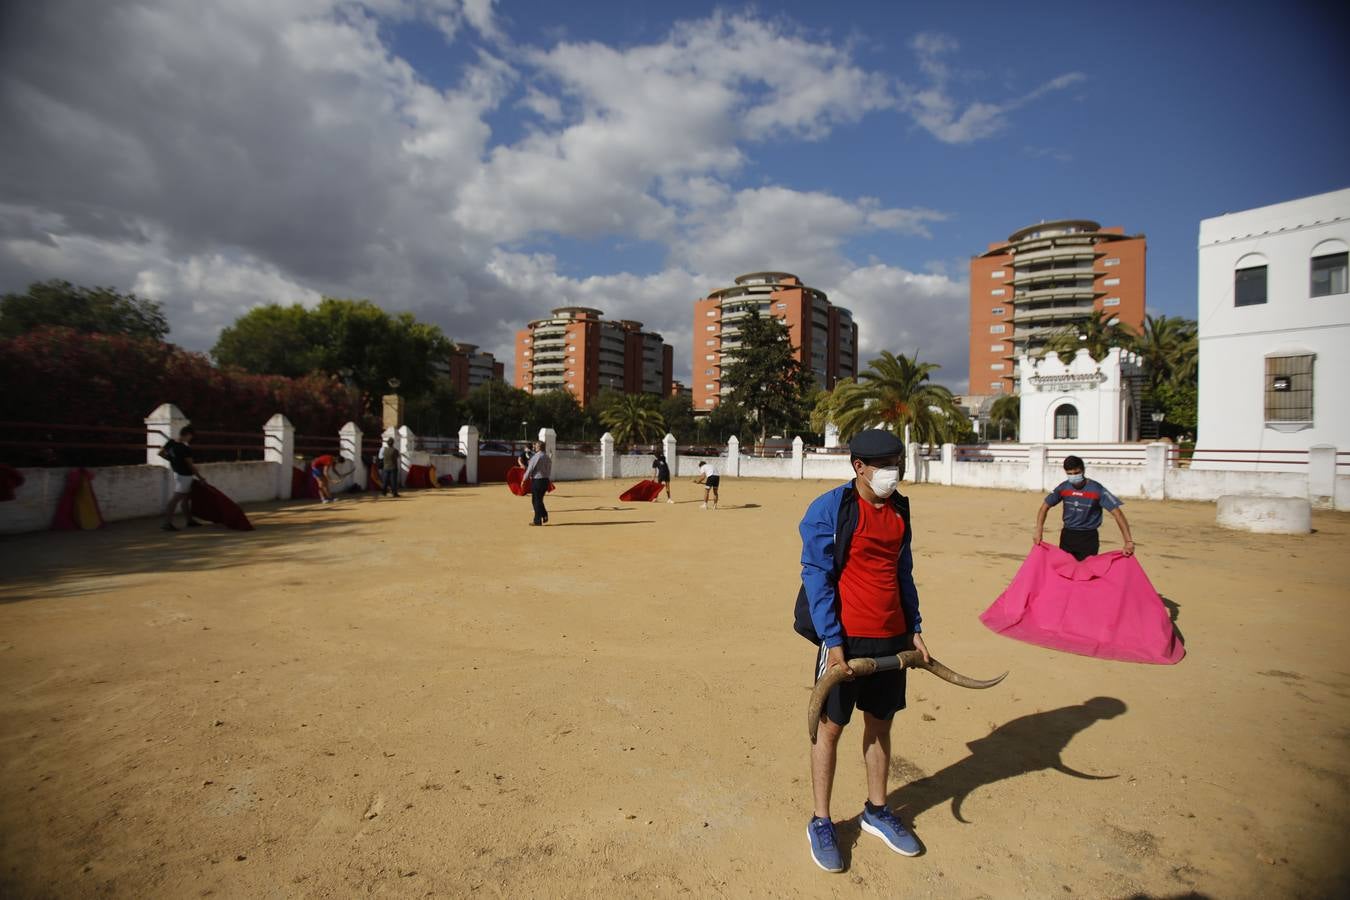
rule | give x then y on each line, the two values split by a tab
708	477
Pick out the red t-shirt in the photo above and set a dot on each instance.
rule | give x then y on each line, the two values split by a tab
321	462
869	587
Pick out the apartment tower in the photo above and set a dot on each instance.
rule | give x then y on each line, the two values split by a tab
1042	279
824	335
577	351
469	367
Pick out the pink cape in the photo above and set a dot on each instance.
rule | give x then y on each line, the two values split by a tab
1103	606
515	486
643	490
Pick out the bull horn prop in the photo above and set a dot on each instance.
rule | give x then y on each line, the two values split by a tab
863	666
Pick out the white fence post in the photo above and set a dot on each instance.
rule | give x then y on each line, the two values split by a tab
670	447
1156	459
164	423
912	460
468	445
349	439
550	439
1036	467
948	462
798	457
734	456
279	448
1322	476
607	467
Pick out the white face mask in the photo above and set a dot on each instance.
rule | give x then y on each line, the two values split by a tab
884	480
1077	480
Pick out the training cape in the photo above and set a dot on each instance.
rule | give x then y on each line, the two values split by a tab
208	503
78	507
513	476
643	490
1103	606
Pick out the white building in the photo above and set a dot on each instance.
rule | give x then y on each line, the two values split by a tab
1274	327
1083	400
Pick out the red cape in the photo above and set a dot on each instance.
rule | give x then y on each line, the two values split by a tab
78	507
643	491
208	503
1104	607
513	484
10	478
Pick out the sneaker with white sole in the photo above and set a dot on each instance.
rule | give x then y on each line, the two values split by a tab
879	820
703	506
824	847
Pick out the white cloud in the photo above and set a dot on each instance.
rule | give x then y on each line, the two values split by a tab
935	109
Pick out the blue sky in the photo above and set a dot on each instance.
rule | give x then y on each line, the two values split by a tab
477	163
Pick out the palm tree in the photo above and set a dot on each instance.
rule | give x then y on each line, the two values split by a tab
1168	348
633	419
1006	413
895	391
1099	332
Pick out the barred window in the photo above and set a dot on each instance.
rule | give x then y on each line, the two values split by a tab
1066	423
1289	388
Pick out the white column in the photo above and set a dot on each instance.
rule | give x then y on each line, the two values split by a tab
734	456
671	449
912	461
607	467
798	457
550	439
349	439
164	423
1036	467
468	444
948	463
1322	476
279	448
1156	458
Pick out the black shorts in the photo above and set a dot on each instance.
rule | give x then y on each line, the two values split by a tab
882	694
713	481
1081	543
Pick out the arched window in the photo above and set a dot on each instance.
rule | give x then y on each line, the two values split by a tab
1328	268
1249	280
1066	422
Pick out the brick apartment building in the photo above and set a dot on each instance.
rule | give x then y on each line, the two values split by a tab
1041	279
469	367
577	351
824	335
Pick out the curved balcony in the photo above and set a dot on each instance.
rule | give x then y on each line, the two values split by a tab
1083	251
1031	295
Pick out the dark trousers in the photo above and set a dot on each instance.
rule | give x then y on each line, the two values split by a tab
390	479
538	488
1081	544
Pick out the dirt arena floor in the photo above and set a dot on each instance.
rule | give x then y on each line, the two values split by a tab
427	697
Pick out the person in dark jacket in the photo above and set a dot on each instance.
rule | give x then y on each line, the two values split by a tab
858	588
185	471
663	474
537	475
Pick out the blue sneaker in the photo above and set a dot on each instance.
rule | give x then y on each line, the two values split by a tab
824	848
883	823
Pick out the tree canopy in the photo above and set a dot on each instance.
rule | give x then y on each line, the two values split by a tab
97	310
633	419
765	376
892	392
1099	332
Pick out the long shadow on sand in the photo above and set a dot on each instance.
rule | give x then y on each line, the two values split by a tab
1029	744
52	565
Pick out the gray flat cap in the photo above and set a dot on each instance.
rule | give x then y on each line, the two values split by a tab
875	444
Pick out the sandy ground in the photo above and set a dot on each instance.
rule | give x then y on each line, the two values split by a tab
427	697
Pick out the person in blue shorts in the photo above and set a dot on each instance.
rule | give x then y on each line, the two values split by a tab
1084	500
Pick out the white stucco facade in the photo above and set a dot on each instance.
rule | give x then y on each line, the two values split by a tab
1083	400
1256	328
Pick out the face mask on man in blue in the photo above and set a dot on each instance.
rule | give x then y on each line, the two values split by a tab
1077	479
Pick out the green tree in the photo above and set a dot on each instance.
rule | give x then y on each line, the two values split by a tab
271	340
726	420
98	310
1179	401
1168	346
437	411
633	419
765	377
892	392
558	410
1005	416
1099	332
497	409
678	413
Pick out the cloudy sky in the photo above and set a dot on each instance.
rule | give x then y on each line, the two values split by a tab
477	162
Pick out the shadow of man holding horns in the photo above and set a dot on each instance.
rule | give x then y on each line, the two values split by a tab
1028	744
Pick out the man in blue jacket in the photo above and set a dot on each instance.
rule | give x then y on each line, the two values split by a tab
858	599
